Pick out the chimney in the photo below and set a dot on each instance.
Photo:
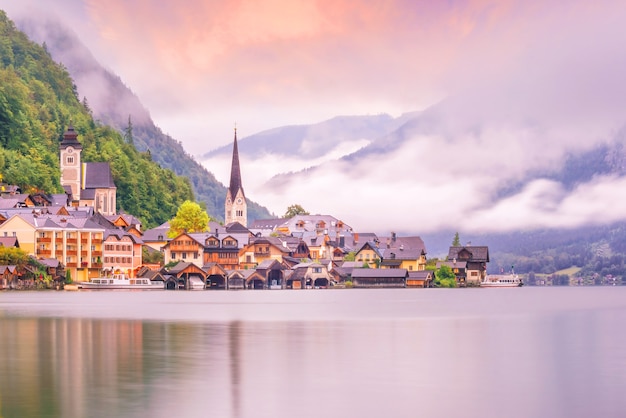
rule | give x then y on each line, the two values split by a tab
393	237
217	234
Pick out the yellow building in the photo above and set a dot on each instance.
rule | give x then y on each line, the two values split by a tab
75	242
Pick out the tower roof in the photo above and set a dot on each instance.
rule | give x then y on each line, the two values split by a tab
235	172
70	138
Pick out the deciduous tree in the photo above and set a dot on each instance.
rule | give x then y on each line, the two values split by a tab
190	217
294	210
444	277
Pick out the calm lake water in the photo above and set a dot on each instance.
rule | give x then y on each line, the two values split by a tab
528	352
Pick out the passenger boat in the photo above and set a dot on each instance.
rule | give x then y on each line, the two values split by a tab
121	281
501	280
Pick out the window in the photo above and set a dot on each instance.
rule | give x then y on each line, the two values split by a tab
184	256
173	255
70	160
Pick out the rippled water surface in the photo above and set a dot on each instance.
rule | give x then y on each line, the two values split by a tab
529	352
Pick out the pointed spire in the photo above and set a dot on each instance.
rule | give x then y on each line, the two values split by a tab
235	172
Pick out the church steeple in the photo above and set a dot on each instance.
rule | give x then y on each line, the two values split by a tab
235	171
70	164
235	206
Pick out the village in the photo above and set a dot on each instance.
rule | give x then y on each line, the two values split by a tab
78	236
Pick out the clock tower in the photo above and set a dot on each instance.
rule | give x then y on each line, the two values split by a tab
236	207
69	151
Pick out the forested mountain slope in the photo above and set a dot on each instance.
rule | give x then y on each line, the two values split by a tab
38	99
113	103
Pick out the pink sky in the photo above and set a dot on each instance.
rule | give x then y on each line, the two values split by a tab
200	66
540	79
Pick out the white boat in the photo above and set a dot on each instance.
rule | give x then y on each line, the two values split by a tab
121	281
501	280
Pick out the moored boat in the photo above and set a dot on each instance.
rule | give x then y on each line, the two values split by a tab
121	281
501	280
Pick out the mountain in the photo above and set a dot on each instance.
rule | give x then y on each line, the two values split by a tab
597	245
315	140
38	100
114	104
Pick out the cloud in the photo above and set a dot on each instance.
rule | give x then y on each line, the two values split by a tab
525	83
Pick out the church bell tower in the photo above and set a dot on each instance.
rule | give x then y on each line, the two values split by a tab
69	152
236	207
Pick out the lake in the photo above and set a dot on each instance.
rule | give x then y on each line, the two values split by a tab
522	352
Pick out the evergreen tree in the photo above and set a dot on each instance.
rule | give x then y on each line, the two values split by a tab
128	132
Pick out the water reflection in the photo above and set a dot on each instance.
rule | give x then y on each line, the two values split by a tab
560	364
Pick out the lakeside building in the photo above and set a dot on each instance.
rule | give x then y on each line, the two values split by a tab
80	232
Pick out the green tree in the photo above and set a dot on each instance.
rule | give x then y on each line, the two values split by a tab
128	132
294	210
444	277
189	218
151	256
12	256
456	242
351	256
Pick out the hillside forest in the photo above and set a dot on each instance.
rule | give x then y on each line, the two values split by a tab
38	100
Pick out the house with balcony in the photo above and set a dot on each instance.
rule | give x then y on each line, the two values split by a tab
308	276
122	252
469	263
75	242
260	249
186	248
369	254
223	249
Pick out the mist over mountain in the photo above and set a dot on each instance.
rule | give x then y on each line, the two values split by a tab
113	103
521	156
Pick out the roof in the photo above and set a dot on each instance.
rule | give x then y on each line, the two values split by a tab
9	242
48	220
70	138
121	233
97	176
236	227
413	242
49	262
477	253
268	264
8	202
157	234
452	264
373	246
323	223
401	253
5	268
421	274
365	272
307	265
267	223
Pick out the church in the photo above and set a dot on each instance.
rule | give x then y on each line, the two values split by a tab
236	207
86	184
